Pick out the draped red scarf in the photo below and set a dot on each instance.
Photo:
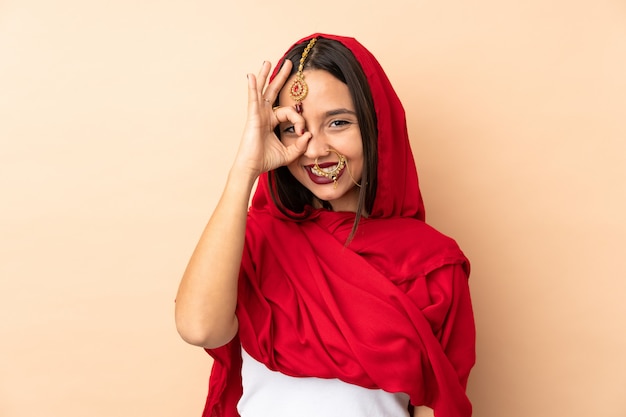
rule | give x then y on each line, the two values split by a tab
390	311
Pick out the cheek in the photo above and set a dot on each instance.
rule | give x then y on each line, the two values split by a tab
356	168
358	160
295	169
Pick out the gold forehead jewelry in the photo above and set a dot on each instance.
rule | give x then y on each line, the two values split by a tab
330	174
299	89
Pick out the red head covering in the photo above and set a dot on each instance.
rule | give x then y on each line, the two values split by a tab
390	311
398	192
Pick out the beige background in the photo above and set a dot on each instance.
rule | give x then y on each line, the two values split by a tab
118	121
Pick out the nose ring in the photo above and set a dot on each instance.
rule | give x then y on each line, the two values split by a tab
331	174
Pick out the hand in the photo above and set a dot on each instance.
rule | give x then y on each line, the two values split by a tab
260	149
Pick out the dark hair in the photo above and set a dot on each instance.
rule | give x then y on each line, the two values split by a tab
331	56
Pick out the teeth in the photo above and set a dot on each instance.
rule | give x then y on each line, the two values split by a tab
329	171
325	172
321	171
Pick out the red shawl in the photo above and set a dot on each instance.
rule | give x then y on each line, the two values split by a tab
391	310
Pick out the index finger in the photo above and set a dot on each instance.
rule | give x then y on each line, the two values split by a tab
291	116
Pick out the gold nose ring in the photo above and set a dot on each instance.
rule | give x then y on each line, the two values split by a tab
331	174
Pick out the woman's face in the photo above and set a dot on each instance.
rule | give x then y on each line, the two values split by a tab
330	117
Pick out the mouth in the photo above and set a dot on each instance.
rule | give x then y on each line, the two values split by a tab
326	173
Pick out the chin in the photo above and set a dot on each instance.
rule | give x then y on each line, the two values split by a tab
328	196
339	199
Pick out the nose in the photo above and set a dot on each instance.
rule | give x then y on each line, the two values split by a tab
317	146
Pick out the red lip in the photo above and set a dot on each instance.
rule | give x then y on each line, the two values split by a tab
325	164
322	180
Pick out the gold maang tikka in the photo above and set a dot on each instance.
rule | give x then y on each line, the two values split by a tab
299	89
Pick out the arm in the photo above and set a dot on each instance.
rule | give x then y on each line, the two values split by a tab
423	411
207	294
445	301
458	331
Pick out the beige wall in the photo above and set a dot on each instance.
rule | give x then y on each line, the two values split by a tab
118	120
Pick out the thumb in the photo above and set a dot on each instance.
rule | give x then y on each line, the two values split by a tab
302	142
298	147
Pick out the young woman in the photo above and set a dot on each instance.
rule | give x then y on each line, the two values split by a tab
329	295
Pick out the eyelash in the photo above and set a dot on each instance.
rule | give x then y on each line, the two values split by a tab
340	122
334	123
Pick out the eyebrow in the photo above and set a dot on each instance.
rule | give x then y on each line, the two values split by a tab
336	112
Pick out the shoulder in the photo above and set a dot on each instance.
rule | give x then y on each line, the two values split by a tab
409	242
407	230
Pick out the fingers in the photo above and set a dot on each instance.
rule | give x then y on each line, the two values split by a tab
256	84
297	148
295	142
252	91
262	78
278	82
290	115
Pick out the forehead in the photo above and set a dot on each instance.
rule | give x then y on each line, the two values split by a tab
325	92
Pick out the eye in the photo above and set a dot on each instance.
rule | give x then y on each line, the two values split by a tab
289	130
339	123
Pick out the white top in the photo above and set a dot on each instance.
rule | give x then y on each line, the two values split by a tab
267	393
